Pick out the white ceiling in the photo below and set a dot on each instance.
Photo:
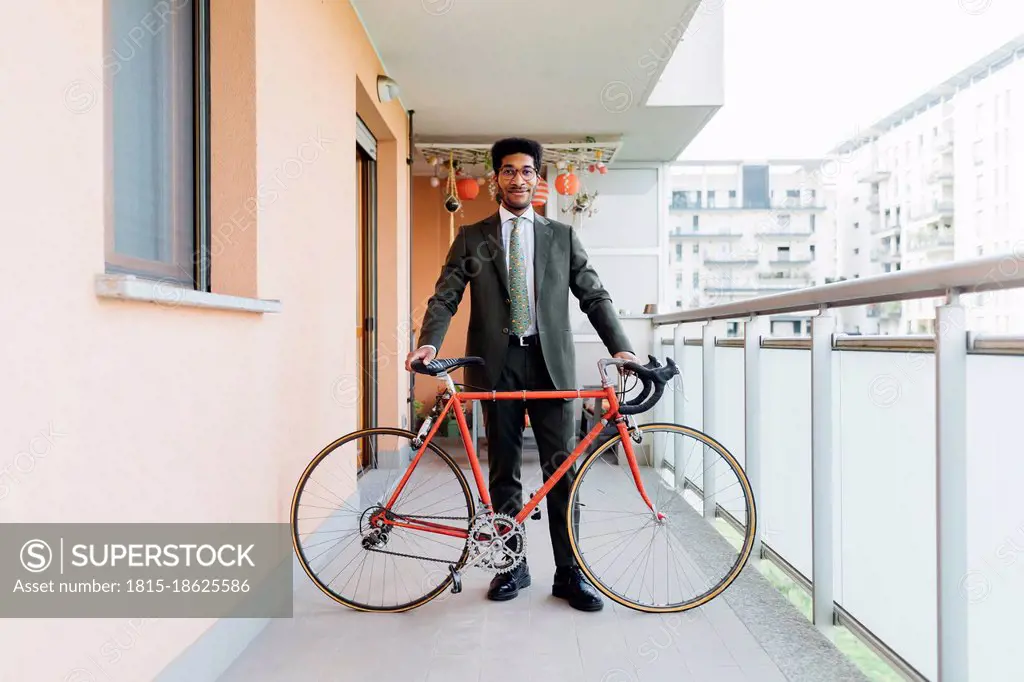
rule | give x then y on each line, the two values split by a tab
555	70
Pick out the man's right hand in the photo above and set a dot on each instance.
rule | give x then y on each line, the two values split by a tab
424	353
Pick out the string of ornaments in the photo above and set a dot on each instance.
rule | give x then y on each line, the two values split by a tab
461	186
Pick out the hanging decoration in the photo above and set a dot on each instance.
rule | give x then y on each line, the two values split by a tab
451	199
567	183
467	188
540	195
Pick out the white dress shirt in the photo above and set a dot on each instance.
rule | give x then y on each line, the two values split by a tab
526	241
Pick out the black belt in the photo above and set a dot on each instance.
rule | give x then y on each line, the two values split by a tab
532	340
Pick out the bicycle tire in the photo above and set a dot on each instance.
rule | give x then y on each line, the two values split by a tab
748	538
441	453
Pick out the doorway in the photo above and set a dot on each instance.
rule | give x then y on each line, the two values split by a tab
366	275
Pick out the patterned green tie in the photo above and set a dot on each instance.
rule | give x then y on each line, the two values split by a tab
517	280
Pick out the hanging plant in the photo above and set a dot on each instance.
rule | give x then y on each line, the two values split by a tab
582	204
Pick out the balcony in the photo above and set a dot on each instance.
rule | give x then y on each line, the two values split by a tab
706	234
885	254
943	143
774	231
731	260
881	226
933	211
926	240
791	260
785	280
848	436
941	176
873	174
789	203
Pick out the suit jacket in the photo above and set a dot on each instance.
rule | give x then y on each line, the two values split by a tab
477	258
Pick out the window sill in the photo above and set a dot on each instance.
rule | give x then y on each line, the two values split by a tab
171	295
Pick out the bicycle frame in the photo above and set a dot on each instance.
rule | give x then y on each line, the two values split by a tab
455	401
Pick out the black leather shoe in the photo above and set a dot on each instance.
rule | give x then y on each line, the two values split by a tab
505	586
572	585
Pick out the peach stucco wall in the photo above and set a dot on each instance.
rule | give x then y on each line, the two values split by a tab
137	412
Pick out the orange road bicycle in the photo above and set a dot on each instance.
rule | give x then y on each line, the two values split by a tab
662	516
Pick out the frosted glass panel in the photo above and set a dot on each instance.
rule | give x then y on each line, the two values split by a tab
627	204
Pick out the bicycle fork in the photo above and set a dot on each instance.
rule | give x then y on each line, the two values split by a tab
627	441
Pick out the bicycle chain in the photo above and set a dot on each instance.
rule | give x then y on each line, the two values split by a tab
415	556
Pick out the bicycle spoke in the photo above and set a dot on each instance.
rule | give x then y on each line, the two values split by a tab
670	563
353	554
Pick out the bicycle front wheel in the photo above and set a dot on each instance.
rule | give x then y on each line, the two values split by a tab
691	554
344	548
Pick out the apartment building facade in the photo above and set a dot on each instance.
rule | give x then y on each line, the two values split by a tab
931	183
740	229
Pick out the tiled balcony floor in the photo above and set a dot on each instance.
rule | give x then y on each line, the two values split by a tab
750	633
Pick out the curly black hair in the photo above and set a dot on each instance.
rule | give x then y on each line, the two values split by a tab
516	145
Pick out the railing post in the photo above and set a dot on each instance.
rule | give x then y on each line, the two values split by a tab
708	389
951	487
822	331
658	351
752	332
679	405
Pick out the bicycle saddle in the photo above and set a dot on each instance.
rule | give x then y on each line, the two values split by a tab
435	367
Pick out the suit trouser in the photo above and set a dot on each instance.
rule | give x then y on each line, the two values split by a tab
554	428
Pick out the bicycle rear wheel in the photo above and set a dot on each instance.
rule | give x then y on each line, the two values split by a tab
676	563
380	567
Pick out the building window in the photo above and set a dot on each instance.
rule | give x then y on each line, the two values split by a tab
856	251
679	280
679	252
755	187
813	221
696	222
696	280
812	250
711	198
160	141
679	199
696	248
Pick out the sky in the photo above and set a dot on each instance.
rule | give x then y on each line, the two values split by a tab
803	75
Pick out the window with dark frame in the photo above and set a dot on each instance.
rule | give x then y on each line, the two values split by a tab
156	69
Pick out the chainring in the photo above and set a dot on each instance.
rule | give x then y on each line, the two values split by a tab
497	543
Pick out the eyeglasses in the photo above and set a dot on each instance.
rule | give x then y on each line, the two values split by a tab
509	173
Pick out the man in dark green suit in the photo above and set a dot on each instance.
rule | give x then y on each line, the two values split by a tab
521	268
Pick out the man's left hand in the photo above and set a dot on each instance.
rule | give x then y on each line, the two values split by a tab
625	355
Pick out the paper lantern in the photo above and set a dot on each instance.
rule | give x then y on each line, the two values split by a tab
468	188
540	195
567	183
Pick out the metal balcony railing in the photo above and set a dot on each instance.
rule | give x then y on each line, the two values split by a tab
883	225
901	492
885	254
929	240
725	233
730	260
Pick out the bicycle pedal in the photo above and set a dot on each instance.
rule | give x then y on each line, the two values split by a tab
456	580
535	514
